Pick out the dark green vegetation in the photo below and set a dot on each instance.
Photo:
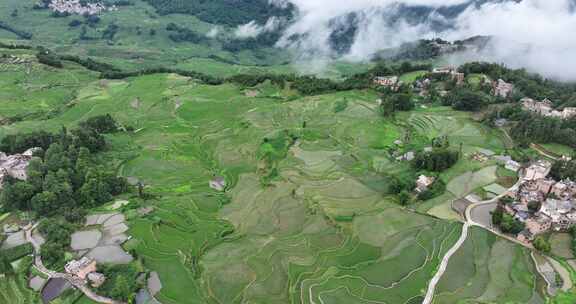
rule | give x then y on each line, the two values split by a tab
437	160
122	281
312	208
323	219
63	181
564	169
506	222
222	12
531	128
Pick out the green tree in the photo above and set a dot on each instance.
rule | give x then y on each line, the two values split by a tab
542	245
122	289
5	266
510	225
45	203
36	172
16	195
404	198
497	215
52	254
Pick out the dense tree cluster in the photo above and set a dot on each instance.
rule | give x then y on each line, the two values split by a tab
530	85
423	49
542	244
20	33
15	46
396	102
48	58
230	13
263	40
532	128
121	283
57	233
110	32
539	129
205	78
401	182
465	99
182	34
436	160
506	222
564	169
65	178
435	190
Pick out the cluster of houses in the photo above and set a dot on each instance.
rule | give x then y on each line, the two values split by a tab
500	88
79	7
85	270
15	165
545	108
542	203
392	82
452	72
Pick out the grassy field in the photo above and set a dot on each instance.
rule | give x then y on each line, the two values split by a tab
134	47
322	229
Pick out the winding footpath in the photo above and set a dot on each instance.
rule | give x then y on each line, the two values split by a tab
444	264
469	222
76	282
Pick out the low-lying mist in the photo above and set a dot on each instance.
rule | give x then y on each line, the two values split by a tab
535	34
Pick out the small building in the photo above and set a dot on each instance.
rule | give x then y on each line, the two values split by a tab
546	108
96	279
538	224
538	170
15	165
544	185
444	70
218	183
423	182
81	268
501	88
408	156
458	77
500	122
513	165
542	108
386	81
557	211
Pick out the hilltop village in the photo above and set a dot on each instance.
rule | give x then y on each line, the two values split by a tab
538	204
541	203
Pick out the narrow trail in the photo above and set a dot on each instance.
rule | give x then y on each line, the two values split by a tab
542	151
444	264
469	222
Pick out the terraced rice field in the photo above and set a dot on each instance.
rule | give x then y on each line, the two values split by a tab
489	270
322	231
14	289
458	126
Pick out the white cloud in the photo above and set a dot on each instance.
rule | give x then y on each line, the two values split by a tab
213	32
253	29
536	34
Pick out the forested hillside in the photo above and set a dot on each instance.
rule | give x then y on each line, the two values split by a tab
228	12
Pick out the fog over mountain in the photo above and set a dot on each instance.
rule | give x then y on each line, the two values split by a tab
536	34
